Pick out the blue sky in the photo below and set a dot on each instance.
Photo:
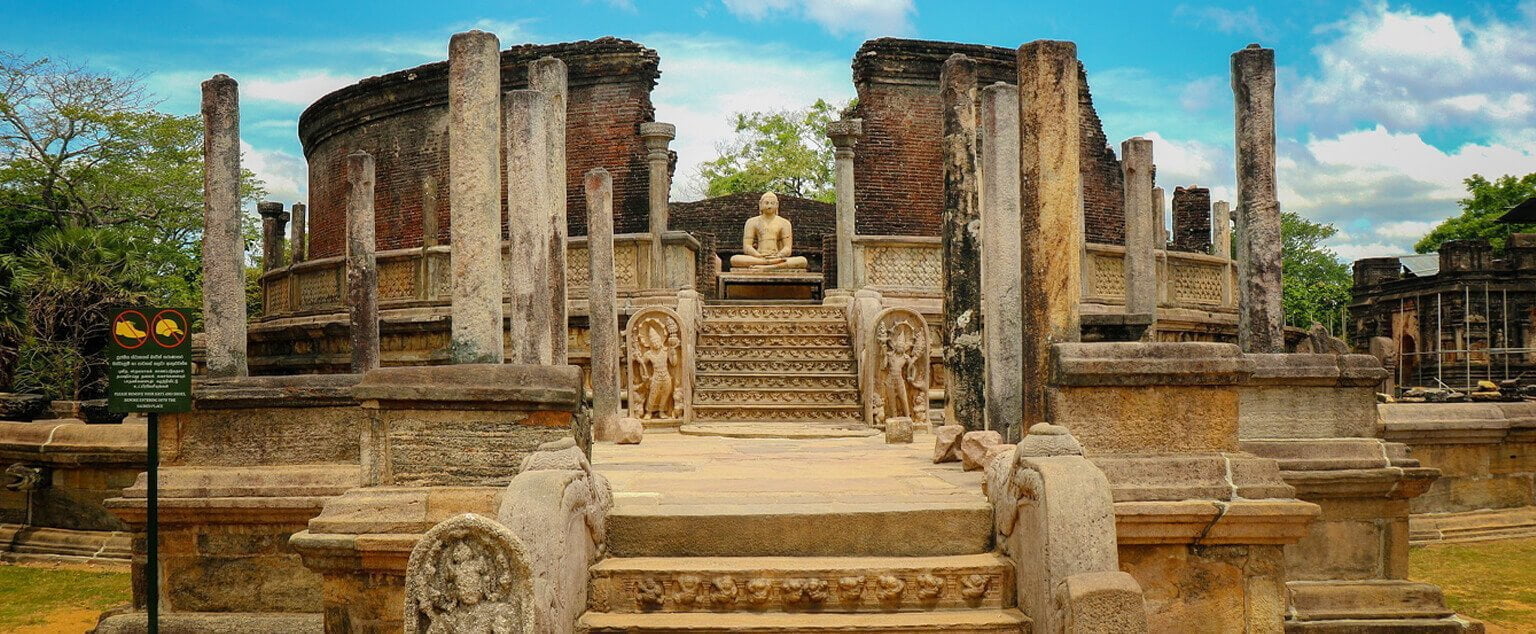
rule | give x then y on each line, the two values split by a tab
1383	107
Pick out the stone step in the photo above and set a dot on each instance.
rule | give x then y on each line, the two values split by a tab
777	413
799	584
776	396
950	622
783	367
768	381
802	353
798	326
782	341
910	526
772	312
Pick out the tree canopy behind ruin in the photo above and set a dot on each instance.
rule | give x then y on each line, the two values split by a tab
1485	202
784	151
100	203
1316	284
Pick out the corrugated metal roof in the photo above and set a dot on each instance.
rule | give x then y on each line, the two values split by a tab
1421	264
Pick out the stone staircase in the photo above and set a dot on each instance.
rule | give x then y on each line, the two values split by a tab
792	566
761	364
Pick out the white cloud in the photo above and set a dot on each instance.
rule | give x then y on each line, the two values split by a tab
706	80
1350	251
1244	22
286	177
1404	229
301	88
870	18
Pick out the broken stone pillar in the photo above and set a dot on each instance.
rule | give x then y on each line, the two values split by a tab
1192	219
845	134
1159	202
603	314
1140	228
273	223
1260	315
223	250
657	136
964	364
529	227
362	268
298	235
1051	207
1000	278
1221	229
474	196
548	75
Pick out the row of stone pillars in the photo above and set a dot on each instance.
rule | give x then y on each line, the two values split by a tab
1013	193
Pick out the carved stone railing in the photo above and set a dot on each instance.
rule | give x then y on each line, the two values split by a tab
1184	280
419	276
899	265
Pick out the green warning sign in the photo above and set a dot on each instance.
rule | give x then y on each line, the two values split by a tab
149	360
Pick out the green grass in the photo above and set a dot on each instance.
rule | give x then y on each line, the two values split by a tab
1491	581
29	594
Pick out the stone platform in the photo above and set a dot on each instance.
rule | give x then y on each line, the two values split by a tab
770	284
796	535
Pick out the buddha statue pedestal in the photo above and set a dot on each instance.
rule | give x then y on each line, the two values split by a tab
767	268
770	284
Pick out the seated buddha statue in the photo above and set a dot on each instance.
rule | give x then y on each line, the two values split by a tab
767	240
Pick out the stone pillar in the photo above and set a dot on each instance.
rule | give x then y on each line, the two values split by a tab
963	361
657	136
1192	219
273	222
474	196
1221	229
1160	203
1140	228
548	75
845	134
1000	275
362	268
223	250
298	235
603	314
1052	209
1261	318
529	227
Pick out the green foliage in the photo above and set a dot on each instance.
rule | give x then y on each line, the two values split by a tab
1486	201
787	152
1316	284
100	203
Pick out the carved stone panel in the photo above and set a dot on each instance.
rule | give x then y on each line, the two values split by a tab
469	575
895	367
659	351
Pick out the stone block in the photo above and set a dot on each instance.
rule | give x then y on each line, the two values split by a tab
973	448
630	431
1288	411
1139	419
1109	601
898	430
1339	549
946	443
1213	589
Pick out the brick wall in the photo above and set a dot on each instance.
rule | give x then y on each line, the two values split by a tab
1192	219
401	118
898	165
725	216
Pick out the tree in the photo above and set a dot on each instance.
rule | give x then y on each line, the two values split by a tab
784	151
1486	201
100	201
1315	284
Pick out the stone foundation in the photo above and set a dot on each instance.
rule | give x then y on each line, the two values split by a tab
60	473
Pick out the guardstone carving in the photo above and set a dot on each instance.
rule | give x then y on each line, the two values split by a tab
468	575
896	363
659	350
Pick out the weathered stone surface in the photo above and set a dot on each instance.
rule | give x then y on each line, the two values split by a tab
845	134
223	249
946	443
1260	315
1105	601
213	623
1159	203
474	194
1191	219
1310	396
549	76
1001	279
630	431
469	574
895	366
298	236
362	269
273	222
1213	589
1051	204
964	364
898	429
1221	229
529	227
973	448
1045	440
1141	221
22	407
658	162
603	311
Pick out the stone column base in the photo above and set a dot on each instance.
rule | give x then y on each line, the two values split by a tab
1371	606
